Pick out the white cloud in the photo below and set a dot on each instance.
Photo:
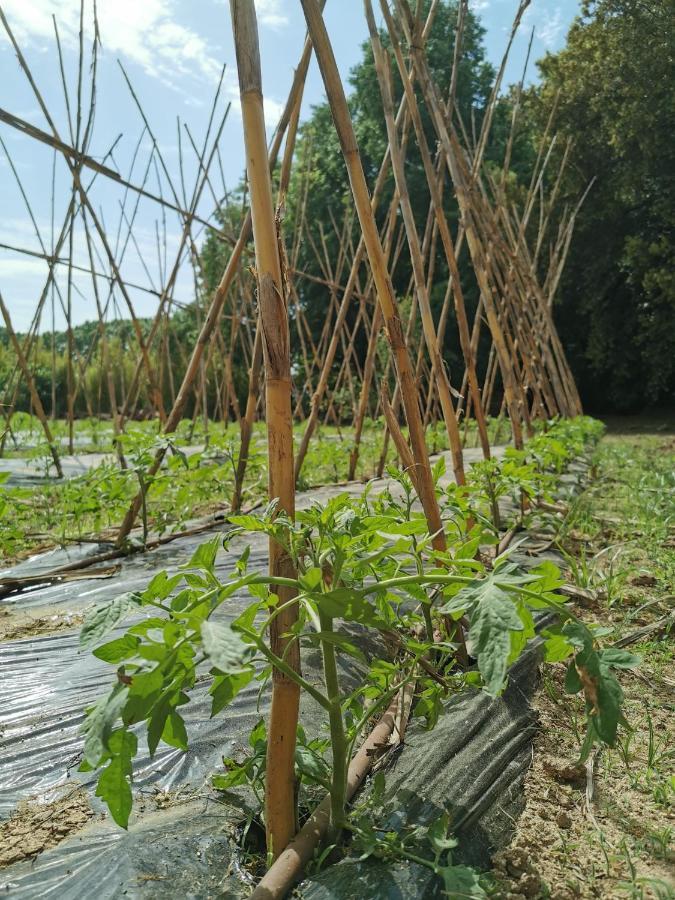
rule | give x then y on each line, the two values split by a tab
271	13
273	111
548	31
478	5
143	31
23	265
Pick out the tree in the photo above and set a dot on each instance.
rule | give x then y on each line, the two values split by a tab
615	88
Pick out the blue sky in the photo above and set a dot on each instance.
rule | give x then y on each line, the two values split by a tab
173	52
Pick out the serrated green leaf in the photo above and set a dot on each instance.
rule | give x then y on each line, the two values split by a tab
225	648
556	647
204	557
99	723
311	765
161	586
119	649
102	620
115	790
347	604
438	836
489	638
461	881
234	777
618	658
493	613
337	640
157	721
147	625
248	523
144	692
311	578
226	687
258	736
175	732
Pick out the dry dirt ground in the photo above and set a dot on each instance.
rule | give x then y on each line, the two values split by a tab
605	829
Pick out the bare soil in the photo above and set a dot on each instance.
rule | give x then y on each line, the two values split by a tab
34	827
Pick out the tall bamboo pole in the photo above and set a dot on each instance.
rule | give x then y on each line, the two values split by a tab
280	818
216	307
446	239
464	196
439	371
30	381
383	285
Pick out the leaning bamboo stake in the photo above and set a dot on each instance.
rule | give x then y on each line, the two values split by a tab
464	196
75	169
30	381
383	285
217	302
289	865
437	202
358	255
439	371
280	817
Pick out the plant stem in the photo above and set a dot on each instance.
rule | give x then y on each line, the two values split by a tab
337	731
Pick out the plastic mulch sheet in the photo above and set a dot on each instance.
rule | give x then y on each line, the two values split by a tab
181	843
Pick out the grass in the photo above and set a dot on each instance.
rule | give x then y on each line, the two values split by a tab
619	543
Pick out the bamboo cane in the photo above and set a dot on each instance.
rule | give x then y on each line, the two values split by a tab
437	202
385	292
429	329
30	381
280	815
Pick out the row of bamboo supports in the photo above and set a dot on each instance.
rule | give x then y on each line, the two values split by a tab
526	355
527	371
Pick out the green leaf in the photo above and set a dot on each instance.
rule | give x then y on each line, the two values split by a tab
438	836
556	647
347	604
607	713
489	637
99	723
175	733
113	784
103	619
226	687
204	557
225	648
258	736
311	765
146	625
161	586
461	881
234	777
114	789
336	639
123	743
549	576
493	617
144	692
619	659
248	523
119	649
160	713
311	578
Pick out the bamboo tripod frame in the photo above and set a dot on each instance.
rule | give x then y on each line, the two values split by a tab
512	360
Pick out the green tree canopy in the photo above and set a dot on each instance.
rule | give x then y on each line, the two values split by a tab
614	85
